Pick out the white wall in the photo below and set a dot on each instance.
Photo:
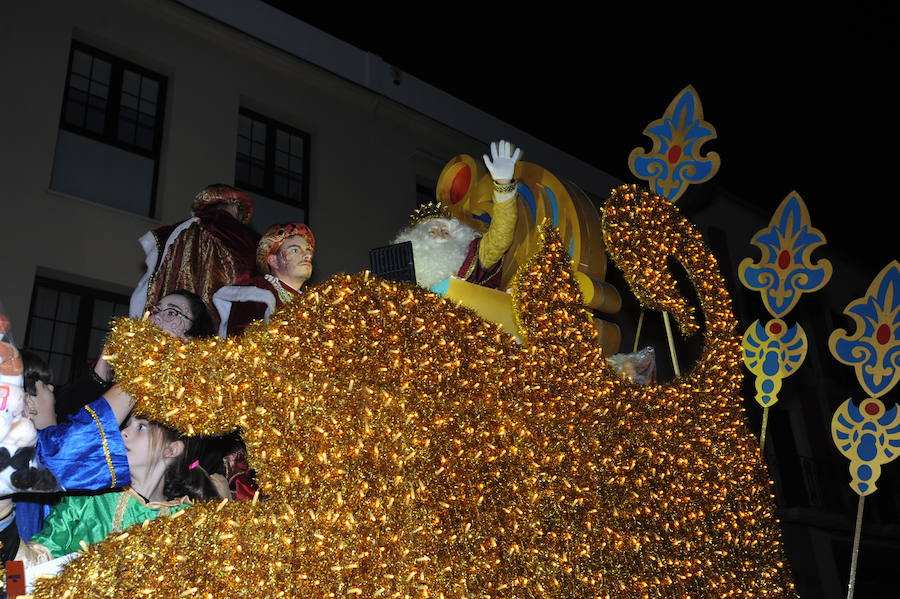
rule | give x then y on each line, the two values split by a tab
366	150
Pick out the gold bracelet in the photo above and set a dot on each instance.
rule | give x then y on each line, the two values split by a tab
506	187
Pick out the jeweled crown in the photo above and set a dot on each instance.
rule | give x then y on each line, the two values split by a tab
427	212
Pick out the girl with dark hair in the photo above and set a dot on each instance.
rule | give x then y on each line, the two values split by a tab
164	479
40	408
35	370
86	451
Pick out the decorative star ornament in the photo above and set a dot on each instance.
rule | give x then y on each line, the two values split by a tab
874	349
785	271
675	161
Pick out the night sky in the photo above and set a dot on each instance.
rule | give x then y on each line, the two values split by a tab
799	101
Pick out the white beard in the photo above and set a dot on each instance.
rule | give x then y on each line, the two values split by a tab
437	259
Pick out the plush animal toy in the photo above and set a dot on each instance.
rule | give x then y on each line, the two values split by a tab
407	448
18	472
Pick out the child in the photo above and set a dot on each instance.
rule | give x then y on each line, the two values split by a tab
85	452
165	478
40	404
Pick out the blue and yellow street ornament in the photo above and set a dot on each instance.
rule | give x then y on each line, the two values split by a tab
874	349
675	162
869	436
772	352
785	270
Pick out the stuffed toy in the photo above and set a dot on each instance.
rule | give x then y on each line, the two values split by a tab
18	470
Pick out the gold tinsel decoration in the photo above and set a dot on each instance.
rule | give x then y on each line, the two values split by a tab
410	449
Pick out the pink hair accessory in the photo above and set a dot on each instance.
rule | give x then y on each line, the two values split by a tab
194	464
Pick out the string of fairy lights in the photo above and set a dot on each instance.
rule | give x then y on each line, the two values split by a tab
407	448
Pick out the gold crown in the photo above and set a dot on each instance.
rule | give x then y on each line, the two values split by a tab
427	212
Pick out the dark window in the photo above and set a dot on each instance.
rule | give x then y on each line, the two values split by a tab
67	324
113	101
110	131
272	159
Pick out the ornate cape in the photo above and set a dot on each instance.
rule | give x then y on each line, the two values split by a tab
200	254
239	305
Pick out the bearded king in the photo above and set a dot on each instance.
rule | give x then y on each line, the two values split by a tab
444	246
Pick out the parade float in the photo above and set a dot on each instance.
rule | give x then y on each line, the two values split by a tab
480	444
406	447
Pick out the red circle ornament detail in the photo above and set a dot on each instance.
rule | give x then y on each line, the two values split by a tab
775	328
674	154
883	335
872	408
784	259
460	186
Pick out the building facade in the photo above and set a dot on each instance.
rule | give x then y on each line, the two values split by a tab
124	110
118	111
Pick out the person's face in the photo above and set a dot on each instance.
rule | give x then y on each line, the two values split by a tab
293	260
41	407
438	229
173	315
138	440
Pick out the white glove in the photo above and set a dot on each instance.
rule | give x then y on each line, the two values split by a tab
502	163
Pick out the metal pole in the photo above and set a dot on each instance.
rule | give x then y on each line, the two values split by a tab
671	343
855	558
637	334
762	434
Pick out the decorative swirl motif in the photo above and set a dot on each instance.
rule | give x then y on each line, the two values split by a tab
785	270
642	241
874	350
773	352
869	437
675	161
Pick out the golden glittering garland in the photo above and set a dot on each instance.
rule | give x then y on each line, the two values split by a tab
410	449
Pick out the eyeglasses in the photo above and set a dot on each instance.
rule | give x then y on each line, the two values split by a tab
168	314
